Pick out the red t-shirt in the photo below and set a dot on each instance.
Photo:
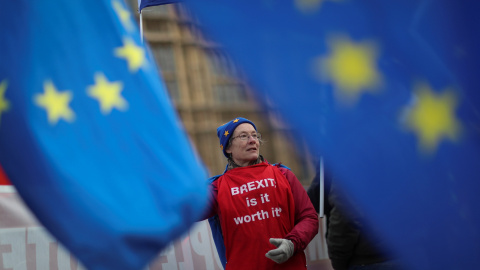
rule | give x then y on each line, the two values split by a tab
255	203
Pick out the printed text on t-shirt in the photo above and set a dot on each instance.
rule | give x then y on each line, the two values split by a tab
253	185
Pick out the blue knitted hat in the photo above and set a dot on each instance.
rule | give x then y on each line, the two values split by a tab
225	131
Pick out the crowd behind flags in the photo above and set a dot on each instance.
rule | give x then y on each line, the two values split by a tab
88	135
387	92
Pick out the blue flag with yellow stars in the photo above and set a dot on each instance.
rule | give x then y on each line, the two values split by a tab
387	92
88	135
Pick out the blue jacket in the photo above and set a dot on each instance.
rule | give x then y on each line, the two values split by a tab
217	230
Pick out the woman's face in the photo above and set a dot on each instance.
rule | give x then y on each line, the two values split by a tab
244	152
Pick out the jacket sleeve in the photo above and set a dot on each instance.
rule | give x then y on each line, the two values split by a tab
343	233
306	219
211	213
212	204
313	192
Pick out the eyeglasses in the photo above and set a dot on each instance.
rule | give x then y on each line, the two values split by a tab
256	136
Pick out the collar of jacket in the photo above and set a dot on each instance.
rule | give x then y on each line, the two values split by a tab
232	164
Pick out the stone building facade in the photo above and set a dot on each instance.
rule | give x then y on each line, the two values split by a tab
208	89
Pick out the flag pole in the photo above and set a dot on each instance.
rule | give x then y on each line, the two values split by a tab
141	27
321	187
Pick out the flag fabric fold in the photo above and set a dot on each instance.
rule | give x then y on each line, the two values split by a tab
147	3
387	93
88	135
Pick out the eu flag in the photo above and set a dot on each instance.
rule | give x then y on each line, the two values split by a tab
387	92
88	135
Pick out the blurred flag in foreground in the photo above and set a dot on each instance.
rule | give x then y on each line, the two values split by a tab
388	92
147	3
88	135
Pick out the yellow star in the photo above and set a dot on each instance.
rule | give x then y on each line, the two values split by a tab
226	133
352	67
236	120
221	146
124	15
135	55
4	104
432	117
55	103
107	93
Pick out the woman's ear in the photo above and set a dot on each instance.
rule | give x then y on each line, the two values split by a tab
228	150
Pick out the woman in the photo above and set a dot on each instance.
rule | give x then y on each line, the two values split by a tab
261	210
